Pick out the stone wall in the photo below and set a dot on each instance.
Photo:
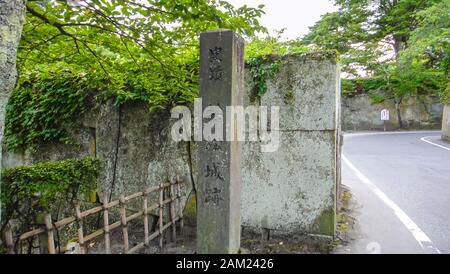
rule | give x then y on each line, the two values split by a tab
291	190
294	188
359	113
446	124
136	147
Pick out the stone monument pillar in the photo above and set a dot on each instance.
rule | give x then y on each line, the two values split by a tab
219	177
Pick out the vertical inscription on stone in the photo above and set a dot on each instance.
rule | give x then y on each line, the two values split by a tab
215	64
218	181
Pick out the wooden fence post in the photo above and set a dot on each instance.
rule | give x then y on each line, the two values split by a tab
179	195
145	208
166	216
172	210
50	236
9	241
166	197
80	229
43	240
106	225
123	219
161	214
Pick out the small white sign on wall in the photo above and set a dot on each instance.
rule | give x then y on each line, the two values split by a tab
385	115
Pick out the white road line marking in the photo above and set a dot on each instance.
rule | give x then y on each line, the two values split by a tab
431	143
423	240
356	134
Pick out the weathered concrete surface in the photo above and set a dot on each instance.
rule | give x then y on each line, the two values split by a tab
446	124
219	174
294	189
359	113
304	90
138	150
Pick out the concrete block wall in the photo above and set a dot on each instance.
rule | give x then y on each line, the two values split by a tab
294	189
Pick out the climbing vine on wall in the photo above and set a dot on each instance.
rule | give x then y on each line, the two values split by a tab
128	50
44	108
263	58
262	69
47	104
45	187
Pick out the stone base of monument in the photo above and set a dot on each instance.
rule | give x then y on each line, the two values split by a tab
251	243
266	241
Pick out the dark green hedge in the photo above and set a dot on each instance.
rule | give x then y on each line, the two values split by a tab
46	187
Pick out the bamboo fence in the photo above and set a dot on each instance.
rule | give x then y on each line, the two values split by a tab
171	190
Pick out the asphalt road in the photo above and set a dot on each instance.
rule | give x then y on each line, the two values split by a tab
401	188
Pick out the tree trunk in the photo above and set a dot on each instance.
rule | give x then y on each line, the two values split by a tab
12	17
399	45
399	115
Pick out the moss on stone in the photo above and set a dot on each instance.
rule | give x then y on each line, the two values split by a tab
326	223
190	211
331	55
289	97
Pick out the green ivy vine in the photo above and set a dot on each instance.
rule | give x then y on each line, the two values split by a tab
262	69
46	105
44	108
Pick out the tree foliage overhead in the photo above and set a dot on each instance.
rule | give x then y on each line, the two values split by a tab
430	43
144	49
364	31
122	49
273	44
401	44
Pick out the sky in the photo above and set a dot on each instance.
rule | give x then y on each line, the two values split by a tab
294	15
